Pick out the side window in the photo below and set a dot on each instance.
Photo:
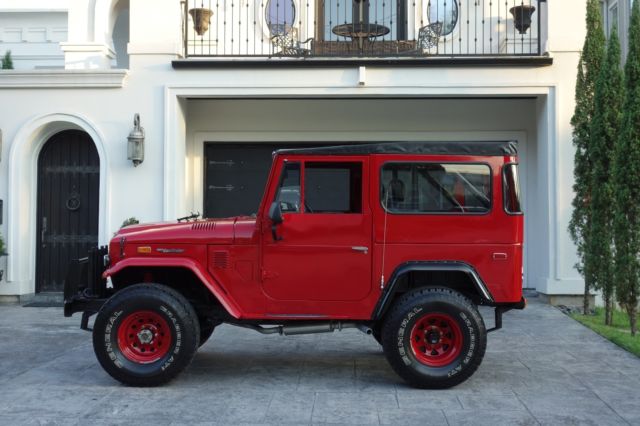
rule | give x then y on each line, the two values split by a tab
511	187
436	188
288	194
333	187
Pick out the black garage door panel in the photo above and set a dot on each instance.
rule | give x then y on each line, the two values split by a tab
236	174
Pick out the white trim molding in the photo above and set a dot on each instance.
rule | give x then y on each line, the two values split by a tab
62	79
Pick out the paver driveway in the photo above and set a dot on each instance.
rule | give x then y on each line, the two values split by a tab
542	368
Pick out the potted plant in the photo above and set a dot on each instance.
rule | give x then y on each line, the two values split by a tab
522	17
201	19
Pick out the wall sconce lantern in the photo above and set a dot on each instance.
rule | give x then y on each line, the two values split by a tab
135	145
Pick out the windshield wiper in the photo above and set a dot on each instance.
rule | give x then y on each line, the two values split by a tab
192	216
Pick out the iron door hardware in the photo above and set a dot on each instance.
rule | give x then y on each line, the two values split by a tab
224	188
43	231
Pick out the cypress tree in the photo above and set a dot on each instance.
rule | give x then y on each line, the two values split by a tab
588	70
7	61
605	131
626	176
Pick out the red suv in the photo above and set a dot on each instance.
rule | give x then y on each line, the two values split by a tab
402	241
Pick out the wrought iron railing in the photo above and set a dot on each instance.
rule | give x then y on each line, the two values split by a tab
361	28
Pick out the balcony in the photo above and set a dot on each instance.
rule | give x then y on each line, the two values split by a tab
405	30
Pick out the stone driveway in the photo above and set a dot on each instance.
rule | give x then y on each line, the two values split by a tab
542	368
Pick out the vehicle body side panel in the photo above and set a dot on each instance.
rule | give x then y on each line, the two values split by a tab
238	268
490	242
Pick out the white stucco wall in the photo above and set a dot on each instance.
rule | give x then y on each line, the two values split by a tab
533	104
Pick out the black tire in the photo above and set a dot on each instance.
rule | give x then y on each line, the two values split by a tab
434	338
146	317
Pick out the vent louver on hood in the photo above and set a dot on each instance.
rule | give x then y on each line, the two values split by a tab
203	226
221	259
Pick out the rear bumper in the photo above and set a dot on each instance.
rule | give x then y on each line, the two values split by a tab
84	289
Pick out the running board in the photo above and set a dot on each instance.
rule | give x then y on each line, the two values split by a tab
290	330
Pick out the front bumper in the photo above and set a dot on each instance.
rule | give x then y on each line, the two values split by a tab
84	288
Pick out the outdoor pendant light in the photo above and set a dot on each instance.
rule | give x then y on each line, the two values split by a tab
201	19
522	17
135	145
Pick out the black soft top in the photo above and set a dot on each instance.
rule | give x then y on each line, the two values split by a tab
484	148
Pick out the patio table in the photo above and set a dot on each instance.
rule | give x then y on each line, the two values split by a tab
360	31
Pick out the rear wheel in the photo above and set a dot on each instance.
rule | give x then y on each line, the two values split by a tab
145	335
434	338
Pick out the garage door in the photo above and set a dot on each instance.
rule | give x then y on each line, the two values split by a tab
236	174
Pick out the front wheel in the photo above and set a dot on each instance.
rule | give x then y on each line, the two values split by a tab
145	335
434	338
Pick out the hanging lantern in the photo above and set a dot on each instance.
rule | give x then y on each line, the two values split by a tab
201	19
135	144
522	17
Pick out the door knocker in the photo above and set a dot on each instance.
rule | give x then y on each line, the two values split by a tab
73	202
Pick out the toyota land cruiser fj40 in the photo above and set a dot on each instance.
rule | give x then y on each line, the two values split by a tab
402	241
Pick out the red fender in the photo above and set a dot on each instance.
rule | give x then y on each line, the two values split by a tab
193	266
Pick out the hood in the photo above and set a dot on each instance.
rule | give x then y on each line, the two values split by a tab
210	231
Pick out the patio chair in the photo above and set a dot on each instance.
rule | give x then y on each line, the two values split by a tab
287	43
428	38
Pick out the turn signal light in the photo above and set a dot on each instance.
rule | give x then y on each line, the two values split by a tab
144	250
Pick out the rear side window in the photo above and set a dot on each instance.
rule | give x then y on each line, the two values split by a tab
332	187
423	188
511	187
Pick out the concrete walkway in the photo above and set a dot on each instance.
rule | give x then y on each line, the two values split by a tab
542	368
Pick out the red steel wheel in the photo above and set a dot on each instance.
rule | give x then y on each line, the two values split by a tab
144	337
436	339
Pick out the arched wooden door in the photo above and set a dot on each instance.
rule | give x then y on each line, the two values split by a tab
68	198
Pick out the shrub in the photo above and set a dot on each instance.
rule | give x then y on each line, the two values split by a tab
131	221
7	61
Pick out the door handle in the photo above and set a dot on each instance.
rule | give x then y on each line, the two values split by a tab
44	231
360	248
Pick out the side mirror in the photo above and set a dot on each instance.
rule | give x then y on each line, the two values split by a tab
275	214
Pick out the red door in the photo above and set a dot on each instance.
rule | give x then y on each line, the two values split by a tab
323	251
